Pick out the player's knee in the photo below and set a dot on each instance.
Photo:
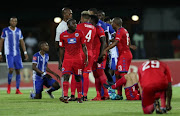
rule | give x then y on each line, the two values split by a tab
56	85
17	72
77	78
66	77
11	70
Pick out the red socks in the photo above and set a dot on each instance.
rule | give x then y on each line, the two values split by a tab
73	85
79	88
119	83
65	88
85	83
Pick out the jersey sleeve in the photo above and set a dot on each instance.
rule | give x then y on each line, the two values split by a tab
61	42
119	35
111	30
168	74
100	32
20	35
83	39
3	34
35	59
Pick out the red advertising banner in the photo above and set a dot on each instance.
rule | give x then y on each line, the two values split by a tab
26	73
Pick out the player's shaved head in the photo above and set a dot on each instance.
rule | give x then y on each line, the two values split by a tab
65	10
118	21
94	19
93	11
66	13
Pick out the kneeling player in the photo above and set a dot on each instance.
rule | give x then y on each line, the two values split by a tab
40	78
131	86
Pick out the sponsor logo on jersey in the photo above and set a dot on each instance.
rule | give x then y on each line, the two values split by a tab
71	40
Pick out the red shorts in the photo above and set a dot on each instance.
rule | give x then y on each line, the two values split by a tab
123	63
149	93
99	66
131	93
72	67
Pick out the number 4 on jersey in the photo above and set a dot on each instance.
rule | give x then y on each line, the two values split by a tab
88	35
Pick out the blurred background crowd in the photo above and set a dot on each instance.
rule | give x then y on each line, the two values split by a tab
154	26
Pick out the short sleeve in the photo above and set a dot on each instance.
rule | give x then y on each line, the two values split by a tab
3	34
83	39
100	32
35	59
20	34
119	35
61	42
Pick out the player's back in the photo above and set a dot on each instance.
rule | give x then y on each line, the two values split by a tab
96	43
89	32
123	36
153	72
72	42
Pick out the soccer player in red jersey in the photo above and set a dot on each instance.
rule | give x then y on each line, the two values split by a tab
122	41
89	31
98	68
71	43
154	77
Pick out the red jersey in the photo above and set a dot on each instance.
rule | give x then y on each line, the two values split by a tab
153	72
73	44
122	36
89	31
96	43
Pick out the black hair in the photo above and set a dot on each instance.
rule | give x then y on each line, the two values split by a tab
94	18
95	11
13	17
107	18
40	44
70	20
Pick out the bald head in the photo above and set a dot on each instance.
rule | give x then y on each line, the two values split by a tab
67	13
116	23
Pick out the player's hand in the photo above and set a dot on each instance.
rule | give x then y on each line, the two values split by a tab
57	76
133	47
100	60
86	62
1	58
26	57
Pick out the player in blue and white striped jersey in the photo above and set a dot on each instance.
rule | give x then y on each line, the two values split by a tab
11	37
40	78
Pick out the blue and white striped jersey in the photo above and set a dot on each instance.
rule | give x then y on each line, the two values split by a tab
41	61
102	24
11	40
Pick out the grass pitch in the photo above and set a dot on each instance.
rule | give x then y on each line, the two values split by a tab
21	105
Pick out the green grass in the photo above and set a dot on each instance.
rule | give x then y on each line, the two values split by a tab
21	105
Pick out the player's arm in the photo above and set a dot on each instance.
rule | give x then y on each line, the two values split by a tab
52	72
24	48
110	46
132	46
37	70
85	53
103	46
61	55
169	89
1	45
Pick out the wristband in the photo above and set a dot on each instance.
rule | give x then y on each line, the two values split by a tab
0	53
25	52
44	73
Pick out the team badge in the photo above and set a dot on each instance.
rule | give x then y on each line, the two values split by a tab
76	34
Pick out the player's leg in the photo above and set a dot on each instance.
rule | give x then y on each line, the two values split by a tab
38	87
148	100
50	82
97	86
10	65
65	88
18	65
103	80
79	87
73	88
